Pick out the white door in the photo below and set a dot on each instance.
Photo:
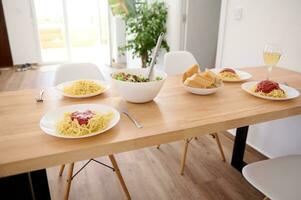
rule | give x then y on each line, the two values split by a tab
201	32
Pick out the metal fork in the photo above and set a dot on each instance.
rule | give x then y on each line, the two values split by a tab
40	98
126	112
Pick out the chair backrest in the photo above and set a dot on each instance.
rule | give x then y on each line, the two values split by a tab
177	62
74	71
277	178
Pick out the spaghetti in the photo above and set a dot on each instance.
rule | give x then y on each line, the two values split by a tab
83	87
228	74
83	123
269	88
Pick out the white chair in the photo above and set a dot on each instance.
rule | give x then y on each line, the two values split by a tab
176	63
74	71
278	178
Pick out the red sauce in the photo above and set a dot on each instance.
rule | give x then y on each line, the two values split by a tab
82	117
267	86
228	70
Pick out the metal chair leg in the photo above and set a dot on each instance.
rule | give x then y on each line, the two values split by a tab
219	146
68	185
62	170
185	148
119	176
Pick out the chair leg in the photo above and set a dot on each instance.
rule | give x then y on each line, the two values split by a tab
219	146
185	147
158	146
62	170
119	176
68	185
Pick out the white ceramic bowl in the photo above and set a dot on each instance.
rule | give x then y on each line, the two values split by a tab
139	92
201	91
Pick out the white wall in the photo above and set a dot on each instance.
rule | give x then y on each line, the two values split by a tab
173	24
265	21
118	38
21	32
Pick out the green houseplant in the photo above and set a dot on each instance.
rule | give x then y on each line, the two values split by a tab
143	28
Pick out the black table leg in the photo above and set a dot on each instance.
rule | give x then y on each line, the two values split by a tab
40	184
26	186
239	148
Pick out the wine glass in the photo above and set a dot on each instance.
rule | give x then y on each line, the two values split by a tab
271	56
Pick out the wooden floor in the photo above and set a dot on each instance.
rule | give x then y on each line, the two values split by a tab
149	173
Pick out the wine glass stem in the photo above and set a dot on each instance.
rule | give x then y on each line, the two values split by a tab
270	67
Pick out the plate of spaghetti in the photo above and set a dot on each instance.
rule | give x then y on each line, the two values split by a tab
232	75
270	90
79	121
82	88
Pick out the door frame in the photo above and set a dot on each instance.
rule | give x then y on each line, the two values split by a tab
183	25
221	33
36	31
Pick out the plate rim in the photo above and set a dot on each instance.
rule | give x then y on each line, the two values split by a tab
117	114
105	83
266	97
209	90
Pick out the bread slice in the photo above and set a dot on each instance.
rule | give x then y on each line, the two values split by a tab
213	77
190	71
198	81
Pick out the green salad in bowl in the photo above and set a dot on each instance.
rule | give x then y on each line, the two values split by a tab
123	76
134	86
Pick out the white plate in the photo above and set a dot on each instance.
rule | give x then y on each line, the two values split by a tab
242	74
290	92
61	87
50	119
201	91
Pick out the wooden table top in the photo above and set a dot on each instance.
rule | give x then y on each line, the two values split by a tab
174	115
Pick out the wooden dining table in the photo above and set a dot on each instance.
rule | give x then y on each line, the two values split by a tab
26	151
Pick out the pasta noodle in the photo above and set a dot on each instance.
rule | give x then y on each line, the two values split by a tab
70	127
83	87
229	76
276	93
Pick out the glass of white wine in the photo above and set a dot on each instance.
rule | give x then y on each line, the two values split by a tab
271	56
